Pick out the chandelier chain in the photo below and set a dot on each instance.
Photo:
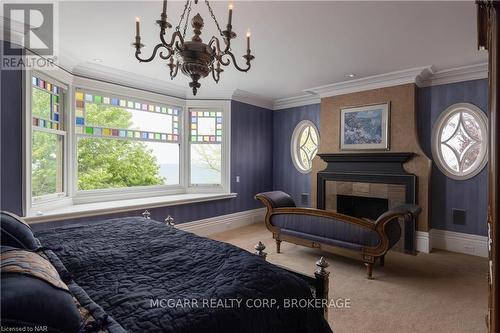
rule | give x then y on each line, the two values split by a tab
182	16
213	17
187	20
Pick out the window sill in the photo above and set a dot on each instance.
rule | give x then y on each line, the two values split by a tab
109	207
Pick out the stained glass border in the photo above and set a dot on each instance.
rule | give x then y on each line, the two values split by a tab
82	97
196	137
55	104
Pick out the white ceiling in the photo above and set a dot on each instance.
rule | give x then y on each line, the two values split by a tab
297	45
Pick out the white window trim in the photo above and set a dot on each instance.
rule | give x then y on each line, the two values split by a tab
77	201
294	144
436	134
216	105
55	200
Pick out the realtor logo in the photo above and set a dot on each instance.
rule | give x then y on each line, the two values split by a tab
35	22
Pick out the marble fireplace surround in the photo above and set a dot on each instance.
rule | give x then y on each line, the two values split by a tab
394	193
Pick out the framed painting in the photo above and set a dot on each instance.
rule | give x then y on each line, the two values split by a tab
365	127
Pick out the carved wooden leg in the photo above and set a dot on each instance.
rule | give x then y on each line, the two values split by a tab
278	245
369	269
382	260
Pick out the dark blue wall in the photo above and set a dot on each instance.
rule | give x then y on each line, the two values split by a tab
11	140
285	176
446	193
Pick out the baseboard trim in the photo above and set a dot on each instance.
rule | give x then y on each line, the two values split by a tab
426	241
221	223
423	242
459	242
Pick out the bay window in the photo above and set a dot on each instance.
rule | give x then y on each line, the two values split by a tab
91	142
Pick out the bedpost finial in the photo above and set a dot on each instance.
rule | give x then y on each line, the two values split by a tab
146	214
322	264
259	250
169	220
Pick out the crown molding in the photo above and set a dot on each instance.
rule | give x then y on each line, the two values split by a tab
127	79
421	76
412	75
458	74
13	30
124	78
252	99
296	101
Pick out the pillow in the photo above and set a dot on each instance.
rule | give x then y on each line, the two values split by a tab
16	232
33	295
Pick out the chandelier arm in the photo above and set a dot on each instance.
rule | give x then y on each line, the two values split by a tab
171	45
221	60
172	72
216	72
169	54
229	53
216	78
153	55
214	45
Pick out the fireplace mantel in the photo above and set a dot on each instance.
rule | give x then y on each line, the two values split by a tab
376	162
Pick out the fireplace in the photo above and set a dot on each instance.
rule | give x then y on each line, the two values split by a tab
365	185
362	207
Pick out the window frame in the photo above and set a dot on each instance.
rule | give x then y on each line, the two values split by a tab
217	106
73	196
58	199
89	196
295	144
437	130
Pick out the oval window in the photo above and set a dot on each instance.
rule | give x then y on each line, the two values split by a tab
460	141
304	145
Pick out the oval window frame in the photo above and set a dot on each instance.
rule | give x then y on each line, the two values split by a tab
295	148
437	130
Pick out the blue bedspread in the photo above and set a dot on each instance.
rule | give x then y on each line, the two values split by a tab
154	278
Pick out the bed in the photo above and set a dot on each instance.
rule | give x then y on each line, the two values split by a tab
150	277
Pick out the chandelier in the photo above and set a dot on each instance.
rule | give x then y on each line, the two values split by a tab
195	58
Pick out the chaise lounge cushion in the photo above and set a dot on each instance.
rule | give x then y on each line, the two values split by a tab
325	230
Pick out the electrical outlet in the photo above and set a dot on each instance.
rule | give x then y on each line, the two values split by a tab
304	199
237	179
459	216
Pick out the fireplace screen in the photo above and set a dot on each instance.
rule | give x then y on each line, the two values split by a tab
362	207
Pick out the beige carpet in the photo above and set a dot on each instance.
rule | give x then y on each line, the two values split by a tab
438	292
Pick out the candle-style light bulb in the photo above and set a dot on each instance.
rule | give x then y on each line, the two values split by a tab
229	21
137	28
248	40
